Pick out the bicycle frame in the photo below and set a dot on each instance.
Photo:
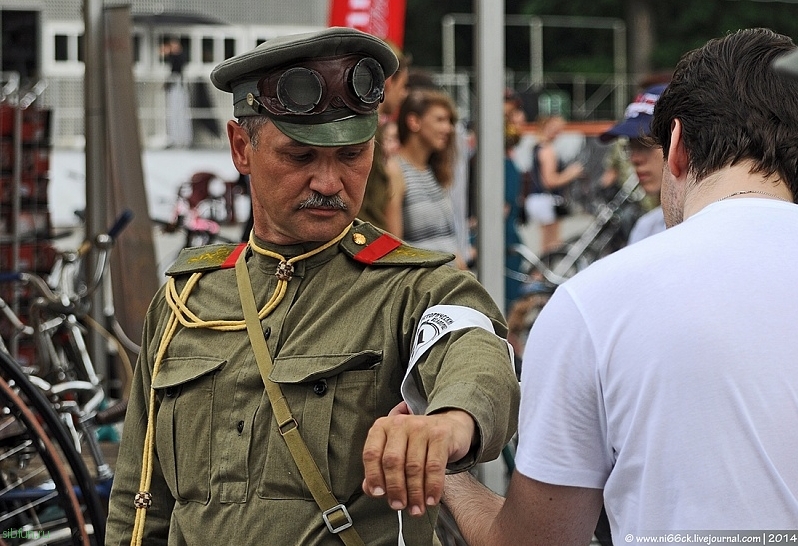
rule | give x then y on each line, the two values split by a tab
588	246
64	372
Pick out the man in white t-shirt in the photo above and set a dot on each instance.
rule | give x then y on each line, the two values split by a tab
662	380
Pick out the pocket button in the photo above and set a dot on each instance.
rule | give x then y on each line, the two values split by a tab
320	387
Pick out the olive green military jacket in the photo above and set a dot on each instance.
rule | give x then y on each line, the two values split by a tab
340	341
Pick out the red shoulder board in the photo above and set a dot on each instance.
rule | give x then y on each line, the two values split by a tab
377	249
371	246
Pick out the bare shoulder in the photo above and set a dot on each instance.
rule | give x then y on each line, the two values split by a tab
394	171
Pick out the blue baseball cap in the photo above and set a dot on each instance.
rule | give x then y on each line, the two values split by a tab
637	118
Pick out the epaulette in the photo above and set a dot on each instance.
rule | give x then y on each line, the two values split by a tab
366	244
206	258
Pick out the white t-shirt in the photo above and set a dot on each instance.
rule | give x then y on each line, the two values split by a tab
647	225
667	374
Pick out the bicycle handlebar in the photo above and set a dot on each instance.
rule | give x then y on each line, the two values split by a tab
10	276
105	240
66	301
121	223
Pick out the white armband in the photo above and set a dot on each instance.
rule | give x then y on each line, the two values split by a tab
438	321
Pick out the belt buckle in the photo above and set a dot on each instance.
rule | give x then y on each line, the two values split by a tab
335	530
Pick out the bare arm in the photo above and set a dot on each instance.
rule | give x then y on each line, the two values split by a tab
534	513
396	195
550	177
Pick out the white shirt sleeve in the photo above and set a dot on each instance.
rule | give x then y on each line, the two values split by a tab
562	423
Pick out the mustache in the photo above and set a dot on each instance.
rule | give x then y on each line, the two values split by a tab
319	201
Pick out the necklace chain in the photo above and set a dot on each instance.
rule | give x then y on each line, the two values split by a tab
745	192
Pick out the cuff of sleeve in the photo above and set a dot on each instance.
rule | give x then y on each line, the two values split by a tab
480	407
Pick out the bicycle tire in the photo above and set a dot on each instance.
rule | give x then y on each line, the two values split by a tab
30	507
93	509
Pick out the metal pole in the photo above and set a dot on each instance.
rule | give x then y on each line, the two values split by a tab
449	61
490	148
536	52
16	206
619	33
96	195
490	168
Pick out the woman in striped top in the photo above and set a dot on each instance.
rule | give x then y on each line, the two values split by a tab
423	172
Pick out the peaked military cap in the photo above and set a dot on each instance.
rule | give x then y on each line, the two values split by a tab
320	88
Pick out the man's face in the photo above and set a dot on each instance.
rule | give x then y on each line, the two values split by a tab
300	193
647	162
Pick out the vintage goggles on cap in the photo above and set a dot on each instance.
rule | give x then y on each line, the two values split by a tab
334	84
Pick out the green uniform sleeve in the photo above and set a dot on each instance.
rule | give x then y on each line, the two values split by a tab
470	369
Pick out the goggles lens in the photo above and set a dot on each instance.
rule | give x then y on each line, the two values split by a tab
367	80
299	90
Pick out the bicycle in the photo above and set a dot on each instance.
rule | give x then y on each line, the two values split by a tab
46	491
61	389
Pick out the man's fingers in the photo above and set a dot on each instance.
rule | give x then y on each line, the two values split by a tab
405	456
435	470
374	480
415	472
393	462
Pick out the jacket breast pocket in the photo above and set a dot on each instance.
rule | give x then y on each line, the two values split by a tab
185	388
333	399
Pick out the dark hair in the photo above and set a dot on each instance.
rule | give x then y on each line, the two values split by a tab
733	107
417	103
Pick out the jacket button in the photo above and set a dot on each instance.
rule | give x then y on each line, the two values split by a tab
240	427
267	332
171	392
320	387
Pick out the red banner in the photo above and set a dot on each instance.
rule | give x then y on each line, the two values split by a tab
382	18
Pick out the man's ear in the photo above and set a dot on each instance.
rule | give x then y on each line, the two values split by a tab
239	146
677	155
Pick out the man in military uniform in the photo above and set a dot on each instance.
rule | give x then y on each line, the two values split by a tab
265	367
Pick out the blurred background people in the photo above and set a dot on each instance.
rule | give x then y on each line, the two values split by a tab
646	159
179	131
514	119
547	177
396	88
425	172
379	188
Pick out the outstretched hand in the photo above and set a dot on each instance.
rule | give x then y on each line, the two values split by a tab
405	455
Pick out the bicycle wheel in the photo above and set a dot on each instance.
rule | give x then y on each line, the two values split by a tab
93	511
37	500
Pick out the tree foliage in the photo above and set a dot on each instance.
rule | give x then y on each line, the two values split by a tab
678	27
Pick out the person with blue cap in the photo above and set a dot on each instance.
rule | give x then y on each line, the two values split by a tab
261	405
645	157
